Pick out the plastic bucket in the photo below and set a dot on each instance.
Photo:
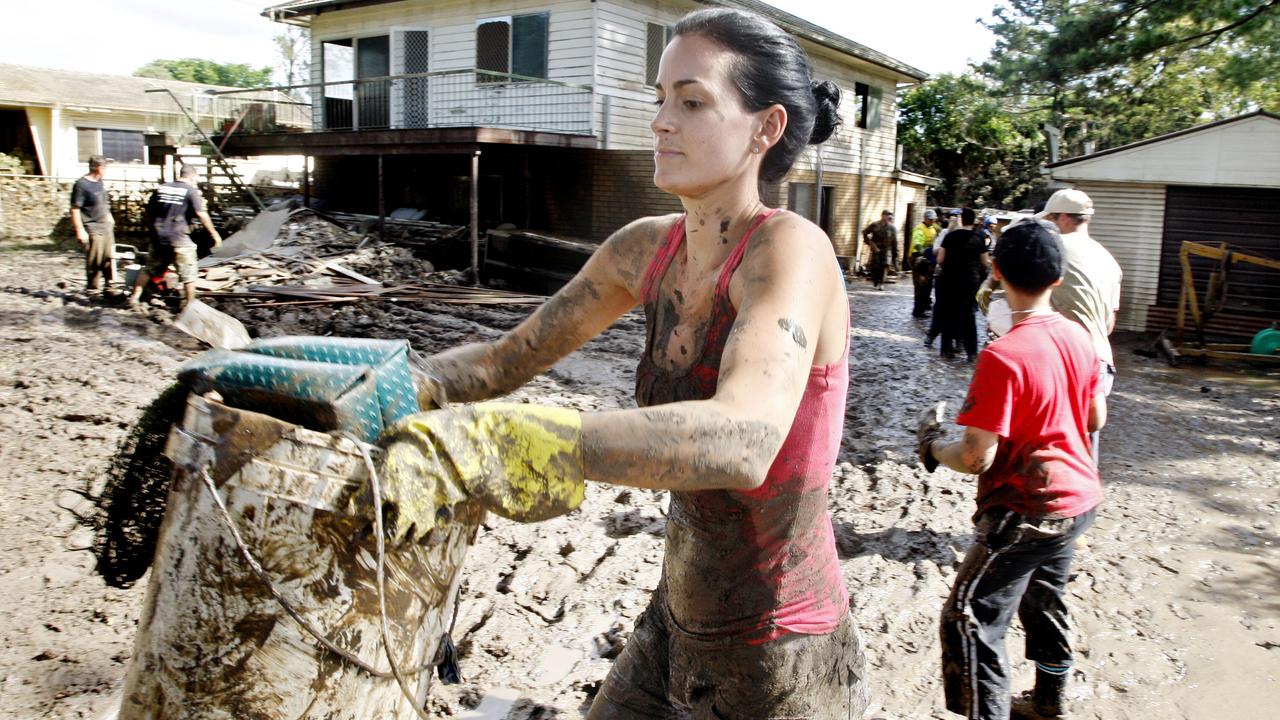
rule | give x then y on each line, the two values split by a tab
1266	342
213	642
131	275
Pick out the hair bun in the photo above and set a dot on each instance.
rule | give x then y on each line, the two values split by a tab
826	95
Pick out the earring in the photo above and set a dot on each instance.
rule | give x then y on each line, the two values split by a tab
755	149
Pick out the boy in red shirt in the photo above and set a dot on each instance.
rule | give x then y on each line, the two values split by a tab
1032	402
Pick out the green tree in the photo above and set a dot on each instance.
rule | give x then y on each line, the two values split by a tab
294	51
986	151
207	72
1114	71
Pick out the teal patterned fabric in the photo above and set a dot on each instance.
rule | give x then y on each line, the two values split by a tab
321	383
389	360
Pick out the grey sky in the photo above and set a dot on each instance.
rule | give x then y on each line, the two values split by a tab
119	36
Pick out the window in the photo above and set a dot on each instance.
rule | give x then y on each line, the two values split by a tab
800	200
356	105
867	106
86	143
516	45
122	146
656	39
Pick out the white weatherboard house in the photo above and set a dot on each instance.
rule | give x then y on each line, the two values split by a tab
552	100
56	119
1211	184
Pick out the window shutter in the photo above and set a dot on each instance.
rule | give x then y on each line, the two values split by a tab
874	100
493	48
415	93
529	45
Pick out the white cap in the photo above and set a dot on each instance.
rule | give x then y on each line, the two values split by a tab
1069	201
930	215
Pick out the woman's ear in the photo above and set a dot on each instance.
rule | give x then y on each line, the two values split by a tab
773	124
995	271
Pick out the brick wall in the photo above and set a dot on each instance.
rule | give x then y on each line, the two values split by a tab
623	190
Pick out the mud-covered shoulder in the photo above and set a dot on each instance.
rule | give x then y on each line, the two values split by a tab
629	250
784	244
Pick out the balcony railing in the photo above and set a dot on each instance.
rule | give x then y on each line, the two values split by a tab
454	98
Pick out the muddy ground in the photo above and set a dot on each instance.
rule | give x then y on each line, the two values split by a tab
1175	596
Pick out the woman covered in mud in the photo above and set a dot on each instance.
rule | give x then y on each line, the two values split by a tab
741	394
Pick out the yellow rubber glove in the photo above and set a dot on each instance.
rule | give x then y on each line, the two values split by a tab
523	462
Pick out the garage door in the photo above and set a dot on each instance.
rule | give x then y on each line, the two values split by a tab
1248	220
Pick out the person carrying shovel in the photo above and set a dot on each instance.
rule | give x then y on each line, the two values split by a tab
741	387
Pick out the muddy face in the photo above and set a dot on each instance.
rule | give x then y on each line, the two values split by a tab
702	132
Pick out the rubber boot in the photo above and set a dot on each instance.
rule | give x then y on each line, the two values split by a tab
1047	702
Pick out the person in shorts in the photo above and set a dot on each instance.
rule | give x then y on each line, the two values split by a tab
171	209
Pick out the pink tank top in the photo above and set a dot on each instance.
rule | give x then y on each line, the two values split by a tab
759	564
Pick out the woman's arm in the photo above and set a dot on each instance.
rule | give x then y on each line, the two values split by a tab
606	287
787	283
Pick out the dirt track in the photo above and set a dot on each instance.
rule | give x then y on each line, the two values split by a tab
1175	597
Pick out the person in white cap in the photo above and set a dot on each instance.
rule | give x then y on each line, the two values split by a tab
1090	289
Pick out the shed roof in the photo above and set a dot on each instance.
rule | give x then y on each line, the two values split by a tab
1243	151
44	87
798	26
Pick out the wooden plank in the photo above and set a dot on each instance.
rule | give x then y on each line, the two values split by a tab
1221	355
348	272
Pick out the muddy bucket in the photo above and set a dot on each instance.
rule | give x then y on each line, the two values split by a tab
214	642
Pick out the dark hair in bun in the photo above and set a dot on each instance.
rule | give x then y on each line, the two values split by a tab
771	69
825	122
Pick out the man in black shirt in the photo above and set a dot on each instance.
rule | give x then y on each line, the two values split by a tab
95	229
964	260
170	210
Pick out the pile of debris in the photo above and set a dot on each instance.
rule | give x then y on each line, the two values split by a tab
303	257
